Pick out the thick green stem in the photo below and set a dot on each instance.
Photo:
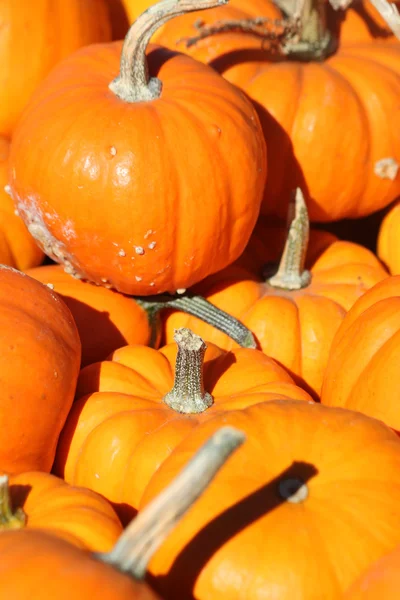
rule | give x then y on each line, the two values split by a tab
188	394
142	538
9	519
198	307
291	274
314	41
133	83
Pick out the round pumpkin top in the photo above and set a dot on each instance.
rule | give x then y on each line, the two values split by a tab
308	502
126	420
40	354
381	580
135	192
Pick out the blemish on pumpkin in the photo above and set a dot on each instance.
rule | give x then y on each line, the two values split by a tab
149	232
138	278
216	131
152	284
104	280
139	249
121	252
152	245
56	374
387	168
7	189
50	285
113	151
16	213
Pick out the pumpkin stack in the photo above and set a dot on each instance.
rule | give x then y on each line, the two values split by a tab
199	397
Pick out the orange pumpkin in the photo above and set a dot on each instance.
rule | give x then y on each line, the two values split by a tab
364	358
309	501
125	422
119	19
35	37
99	192
40	355
41	501
379	581
17	247
316	109
295	313
57	569
106	320
388	247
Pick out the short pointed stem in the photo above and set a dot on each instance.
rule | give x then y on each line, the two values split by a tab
199	307
188	394
150	528
9	519
291	274
133	83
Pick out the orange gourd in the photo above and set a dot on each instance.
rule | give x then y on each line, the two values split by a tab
40	355
380	581
40	501
106	320
314	103
53	568
364	358
309	501
388	247
294	313
34	37
17	247
126	420
130	194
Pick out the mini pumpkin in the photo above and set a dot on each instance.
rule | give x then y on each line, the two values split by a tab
58	569
293	312
131	411
40	354
310	500
40	501
313	98
36	36
364	358
388	247
17	247
98	193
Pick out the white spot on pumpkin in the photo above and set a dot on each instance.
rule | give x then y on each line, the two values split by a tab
113	151
16	213
387	168
50	285
152	284
138	278
149	232
121	252
139	250
7	189
152	245
122	175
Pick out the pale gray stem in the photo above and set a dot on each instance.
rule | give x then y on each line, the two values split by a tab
145	534
389	13
133	83
291	274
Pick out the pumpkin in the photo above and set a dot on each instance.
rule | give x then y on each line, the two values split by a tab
35	37
309	501
132	411
105	319
380	580
294	312
40	355
119	19
364	356
57	569
17	247
130	194
315	105
388	247
40	501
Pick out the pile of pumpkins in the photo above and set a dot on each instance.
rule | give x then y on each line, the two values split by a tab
198	385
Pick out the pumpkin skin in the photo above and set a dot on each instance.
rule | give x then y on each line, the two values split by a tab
388	247
242	541
74	573
105	319
39	365
76	515
51	29
295	327
305	125
381	580
17	247
129	151
120	401
364	357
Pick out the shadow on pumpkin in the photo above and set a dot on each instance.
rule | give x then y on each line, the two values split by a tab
336	18
19	495
99	336
193	558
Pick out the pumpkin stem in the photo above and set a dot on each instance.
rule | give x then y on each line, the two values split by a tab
314	41
188	395
133	83
145	534
8	518
291	274
199	307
